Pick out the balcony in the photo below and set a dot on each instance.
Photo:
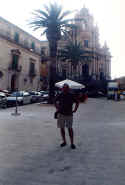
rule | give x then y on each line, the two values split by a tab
19	69
16	69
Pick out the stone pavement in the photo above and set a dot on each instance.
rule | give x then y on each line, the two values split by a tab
30	152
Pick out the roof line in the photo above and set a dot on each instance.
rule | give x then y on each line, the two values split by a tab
21	29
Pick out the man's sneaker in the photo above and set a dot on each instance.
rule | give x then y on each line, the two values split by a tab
73	146
63	144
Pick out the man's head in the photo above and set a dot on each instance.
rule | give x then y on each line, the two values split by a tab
65	88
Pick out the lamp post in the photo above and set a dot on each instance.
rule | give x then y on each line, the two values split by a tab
16	113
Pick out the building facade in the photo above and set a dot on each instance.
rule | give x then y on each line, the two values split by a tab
97	59
20	57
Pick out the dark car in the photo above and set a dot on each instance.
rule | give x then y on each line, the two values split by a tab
96	94
3	100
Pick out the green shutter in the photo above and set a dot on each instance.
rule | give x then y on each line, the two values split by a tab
15	62
16	37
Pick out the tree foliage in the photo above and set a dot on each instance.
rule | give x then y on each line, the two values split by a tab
73	52
52	20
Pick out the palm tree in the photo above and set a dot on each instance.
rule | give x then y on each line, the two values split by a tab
53	22
72	52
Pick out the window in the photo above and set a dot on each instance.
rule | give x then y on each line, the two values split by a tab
32	69
8	34
16	37
85	69
83	26
25	43
101	75
86	43
15	61
1	74
33	46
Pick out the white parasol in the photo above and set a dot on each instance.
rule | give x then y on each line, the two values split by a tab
72	84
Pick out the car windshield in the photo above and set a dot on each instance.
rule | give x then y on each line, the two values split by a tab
45	92
18	94
33	93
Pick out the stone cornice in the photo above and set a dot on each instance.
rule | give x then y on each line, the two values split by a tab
9	23
18	44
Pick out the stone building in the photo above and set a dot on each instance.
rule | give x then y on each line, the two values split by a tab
20	56
121	82
97	59
23	67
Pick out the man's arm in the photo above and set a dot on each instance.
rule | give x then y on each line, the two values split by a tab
76	105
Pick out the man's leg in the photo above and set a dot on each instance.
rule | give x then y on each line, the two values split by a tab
62	131
61	125
71	135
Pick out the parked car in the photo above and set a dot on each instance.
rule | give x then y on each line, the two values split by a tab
42	92
123	93
3	100
57	92
45	96
36	96
6	92
96	94
22	97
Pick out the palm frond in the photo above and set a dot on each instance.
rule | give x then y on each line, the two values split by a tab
43	13
44	32
52	20
64	15
66	35
66	22
72	52
47	8
37	24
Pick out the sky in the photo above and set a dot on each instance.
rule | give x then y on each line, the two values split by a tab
108	15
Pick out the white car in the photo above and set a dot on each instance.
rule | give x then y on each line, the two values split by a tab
22	98
36	96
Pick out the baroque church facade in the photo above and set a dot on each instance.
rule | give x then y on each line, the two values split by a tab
22	66
97	59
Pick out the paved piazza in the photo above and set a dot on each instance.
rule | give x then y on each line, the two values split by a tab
30	152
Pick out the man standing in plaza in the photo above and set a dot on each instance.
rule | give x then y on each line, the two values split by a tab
64	105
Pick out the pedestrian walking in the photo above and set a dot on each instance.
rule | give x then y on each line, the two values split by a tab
64	104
